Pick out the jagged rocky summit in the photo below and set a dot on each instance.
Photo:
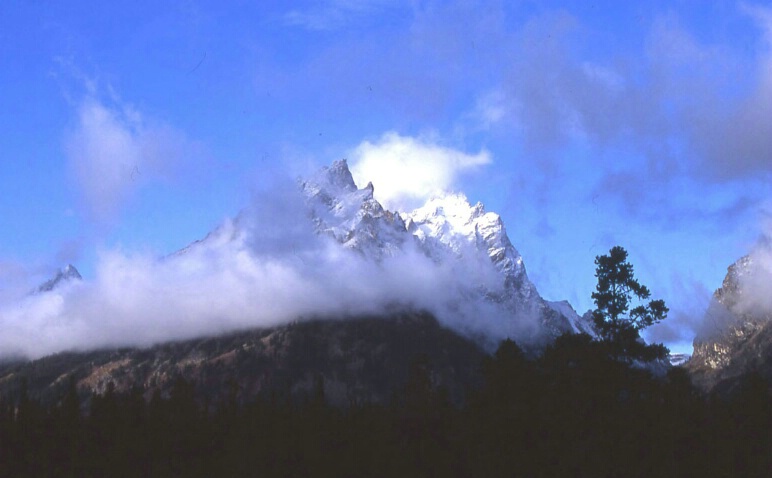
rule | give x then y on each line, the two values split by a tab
491	294
486	293
63	276
466	248
449	231
736	337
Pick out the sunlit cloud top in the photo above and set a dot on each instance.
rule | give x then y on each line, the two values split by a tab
408	171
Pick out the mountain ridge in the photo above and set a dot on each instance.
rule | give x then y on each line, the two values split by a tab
358	359
331	240
488	294
446	228
737	334
68	274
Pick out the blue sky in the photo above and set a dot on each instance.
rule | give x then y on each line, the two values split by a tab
137	127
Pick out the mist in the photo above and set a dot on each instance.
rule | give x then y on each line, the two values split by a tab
263	268
751	301
756	296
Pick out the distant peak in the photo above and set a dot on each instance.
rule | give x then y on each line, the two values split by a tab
339	172
339	163
70	272
67	274
450	205
334	179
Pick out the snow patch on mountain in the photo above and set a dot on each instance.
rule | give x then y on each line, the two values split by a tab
470	242
350	215
579	324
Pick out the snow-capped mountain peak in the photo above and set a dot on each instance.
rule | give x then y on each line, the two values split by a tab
450	257
448	230
453	208
352	216
330	182
452	221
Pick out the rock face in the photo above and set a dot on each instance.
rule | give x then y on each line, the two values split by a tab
352	216
470	242
486	291
737	332
63	276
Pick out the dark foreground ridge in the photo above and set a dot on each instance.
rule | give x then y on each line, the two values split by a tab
391	396
360	359
576	410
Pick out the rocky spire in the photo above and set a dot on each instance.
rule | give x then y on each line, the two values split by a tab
69	273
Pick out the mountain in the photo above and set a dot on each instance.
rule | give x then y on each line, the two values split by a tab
471	277
451	232
352	216
357	360
676	360
442	280
737	332
63	276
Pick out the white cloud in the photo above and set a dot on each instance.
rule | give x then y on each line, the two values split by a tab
406	171
266	267
333	14
756	283
14	280
683	322
113	149
612	80
753	297
490	109
736	138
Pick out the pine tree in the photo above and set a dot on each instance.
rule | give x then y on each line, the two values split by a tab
617	286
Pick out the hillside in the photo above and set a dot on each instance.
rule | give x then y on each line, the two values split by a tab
737	334
358	360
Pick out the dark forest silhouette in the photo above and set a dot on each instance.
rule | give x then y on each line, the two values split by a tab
605	407
574	411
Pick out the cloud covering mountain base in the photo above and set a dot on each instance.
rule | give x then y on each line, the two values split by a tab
277	262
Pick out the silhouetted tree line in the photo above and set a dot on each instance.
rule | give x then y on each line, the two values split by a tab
574	411
583	407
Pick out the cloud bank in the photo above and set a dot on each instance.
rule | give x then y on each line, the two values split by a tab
265	267
752	298
113	149
756	284
334	14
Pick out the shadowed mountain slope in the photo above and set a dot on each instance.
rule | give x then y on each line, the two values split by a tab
357	360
